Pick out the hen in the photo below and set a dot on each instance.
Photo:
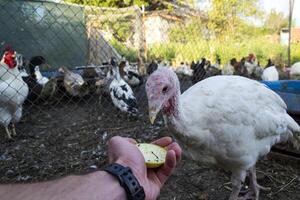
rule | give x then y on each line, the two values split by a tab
207	124
121	93
40	87
130	74
74	83
295	71
270	72
13	91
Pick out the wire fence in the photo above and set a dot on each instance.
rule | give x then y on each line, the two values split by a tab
58	102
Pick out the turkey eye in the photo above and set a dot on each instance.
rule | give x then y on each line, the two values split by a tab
164	90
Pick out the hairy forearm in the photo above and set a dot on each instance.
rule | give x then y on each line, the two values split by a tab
93	186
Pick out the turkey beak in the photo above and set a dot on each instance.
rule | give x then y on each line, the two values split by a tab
152	115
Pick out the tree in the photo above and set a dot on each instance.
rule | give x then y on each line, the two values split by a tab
275	21
224	16
149	4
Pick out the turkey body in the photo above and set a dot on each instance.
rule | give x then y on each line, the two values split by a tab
228	120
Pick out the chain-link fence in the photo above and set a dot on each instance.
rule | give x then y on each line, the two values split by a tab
58	100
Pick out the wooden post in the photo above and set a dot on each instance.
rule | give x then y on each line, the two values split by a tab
291	7
139	30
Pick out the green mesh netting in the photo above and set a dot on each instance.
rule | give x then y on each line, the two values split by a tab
55	31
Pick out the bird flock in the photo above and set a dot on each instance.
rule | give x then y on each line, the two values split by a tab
23	82
225	117
248	67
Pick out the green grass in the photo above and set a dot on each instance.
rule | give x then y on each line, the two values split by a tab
177	52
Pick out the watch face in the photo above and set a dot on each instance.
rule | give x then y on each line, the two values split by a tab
154	155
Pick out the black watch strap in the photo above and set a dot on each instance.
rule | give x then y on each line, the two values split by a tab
134	190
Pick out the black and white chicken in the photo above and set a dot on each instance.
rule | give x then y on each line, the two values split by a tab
130	74
199	72
121	93
40	87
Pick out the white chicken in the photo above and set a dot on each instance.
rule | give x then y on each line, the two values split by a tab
207	124
121	93
184	70
295	71
251	63
228	69
13	91
270	72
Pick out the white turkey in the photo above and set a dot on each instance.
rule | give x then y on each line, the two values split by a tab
207	124
295	71
270	72
121	93
13	91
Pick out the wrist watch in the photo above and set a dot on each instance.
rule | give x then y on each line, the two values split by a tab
134	191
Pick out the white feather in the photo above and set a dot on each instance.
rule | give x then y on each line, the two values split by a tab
13	92
42	80
116	85
227	69
295	69
270	74
233	119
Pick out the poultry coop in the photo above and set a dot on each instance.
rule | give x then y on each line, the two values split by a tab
68	113
63	56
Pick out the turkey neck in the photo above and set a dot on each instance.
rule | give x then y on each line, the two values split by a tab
172	109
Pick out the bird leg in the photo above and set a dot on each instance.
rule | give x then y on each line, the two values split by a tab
237	178
13	129
254	185
8	133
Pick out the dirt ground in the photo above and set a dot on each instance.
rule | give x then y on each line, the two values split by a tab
70	137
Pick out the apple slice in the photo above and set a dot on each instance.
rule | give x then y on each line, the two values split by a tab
154	155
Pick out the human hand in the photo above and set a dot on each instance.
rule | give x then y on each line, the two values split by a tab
124	151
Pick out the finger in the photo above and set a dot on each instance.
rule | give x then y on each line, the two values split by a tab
178	151
164	172
114	140
165	141
133	141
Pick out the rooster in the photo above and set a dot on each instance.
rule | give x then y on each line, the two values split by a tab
13	91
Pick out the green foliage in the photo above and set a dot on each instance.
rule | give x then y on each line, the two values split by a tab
111	3
263	49
149	4
129	53
225	16
295	53
275	21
